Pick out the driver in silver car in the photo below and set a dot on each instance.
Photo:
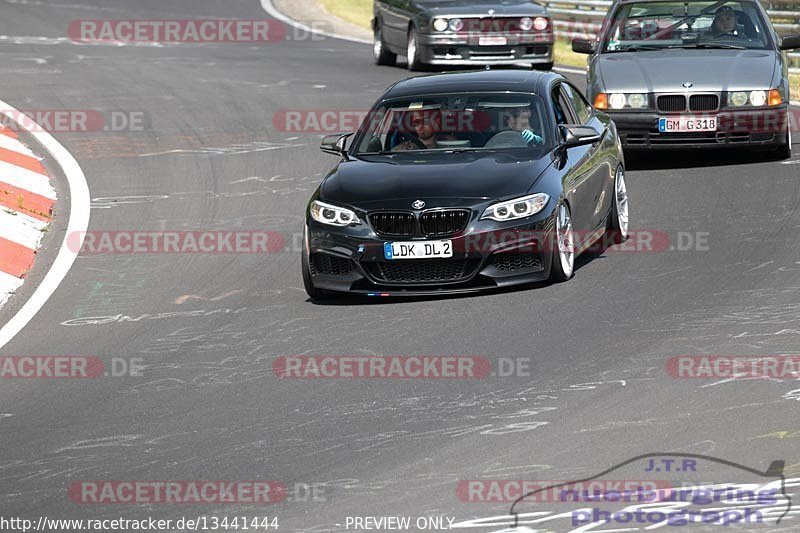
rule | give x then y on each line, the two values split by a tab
724	24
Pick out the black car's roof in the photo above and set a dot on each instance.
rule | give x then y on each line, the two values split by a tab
529	81
617	2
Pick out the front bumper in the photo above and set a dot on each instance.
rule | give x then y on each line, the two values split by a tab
485	257
450	49
751	128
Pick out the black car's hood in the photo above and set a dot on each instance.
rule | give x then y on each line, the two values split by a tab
502	8
707	70
440	179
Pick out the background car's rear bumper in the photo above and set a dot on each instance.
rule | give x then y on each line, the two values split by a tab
752	128
448	50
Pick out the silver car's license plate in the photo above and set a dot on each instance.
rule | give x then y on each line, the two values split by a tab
686	124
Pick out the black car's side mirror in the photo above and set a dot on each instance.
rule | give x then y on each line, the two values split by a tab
790	42
583	46
335	144
576	135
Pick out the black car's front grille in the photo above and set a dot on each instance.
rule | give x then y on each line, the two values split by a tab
444	223
330	265
395	224
422	270
671	103
703	102
511	261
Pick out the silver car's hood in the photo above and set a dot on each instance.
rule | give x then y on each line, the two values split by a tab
666	71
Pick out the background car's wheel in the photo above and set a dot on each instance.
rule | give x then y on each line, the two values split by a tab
564	245
412	51
784	151
313	292
382	54
618	221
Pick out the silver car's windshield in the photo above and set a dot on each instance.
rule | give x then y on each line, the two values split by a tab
662	25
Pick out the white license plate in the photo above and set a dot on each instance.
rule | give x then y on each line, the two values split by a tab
684	124
418	250
493	41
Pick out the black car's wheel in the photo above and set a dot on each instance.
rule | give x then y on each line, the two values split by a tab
563	245
618	221
412	51
382	54
313	292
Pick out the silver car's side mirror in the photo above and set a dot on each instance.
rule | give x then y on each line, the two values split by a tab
790	42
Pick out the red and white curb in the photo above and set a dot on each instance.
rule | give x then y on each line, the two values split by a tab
27	199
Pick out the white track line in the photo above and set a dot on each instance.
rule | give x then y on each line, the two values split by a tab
79	214
273	12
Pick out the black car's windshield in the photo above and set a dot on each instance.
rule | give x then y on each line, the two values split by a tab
706	25
455	123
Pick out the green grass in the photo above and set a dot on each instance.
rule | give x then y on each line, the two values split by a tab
359	12
566	57
794	81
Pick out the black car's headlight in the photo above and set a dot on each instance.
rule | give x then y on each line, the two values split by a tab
517	208
755	98
333	215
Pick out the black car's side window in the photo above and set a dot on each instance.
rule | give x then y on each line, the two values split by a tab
583	110
561	106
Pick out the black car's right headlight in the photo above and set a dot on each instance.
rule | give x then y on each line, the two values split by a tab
333	215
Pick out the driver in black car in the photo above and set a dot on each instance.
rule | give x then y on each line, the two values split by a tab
426	135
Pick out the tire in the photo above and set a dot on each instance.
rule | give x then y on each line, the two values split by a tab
618	223
313	292
412	51
563	264
382	54
784	151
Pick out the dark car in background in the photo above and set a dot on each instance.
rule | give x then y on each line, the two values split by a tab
462	32
692	74
465	182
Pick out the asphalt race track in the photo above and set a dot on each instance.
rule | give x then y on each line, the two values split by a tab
207	405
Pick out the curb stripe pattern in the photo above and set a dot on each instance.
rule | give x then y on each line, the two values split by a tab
27	199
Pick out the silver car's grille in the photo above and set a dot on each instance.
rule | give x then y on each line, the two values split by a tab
677	103
671	103
703	102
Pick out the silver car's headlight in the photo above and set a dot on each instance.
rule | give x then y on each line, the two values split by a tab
440	24
757	98
621	101
333	215
517	208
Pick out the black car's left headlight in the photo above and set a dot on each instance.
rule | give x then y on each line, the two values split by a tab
333	215
517	208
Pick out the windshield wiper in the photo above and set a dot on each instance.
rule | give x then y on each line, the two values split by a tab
712	46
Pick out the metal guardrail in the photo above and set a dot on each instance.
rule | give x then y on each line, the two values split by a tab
583	19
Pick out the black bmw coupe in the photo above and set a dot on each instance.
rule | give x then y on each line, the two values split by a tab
463	182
